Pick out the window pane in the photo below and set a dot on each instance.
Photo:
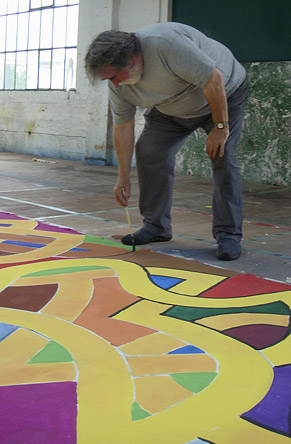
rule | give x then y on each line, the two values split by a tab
11	33
12	6
22	33
71	67
44	80
23	5
47	3
2	60
21	70
46	28
2	33
35	4
3	7
72	26
73	2
58	68
60	2
10	70
34	24
32	69
59	33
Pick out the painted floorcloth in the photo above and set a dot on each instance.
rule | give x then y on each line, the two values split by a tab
99	344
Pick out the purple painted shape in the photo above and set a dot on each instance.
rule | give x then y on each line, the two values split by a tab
11	216
47	227
38	413
274	409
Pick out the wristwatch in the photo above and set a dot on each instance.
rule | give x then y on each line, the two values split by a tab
220	125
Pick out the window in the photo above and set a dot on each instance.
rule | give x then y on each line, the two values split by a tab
38	44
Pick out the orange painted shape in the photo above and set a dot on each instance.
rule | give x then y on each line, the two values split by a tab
108	298
157	343
156	393
35	373
154	365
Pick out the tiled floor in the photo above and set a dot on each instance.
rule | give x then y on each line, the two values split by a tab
79	196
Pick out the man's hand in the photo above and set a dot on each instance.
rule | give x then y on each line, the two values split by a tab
122	191
216	141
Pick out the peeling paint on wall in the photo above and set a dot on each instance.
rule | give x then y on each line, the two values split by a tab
264	152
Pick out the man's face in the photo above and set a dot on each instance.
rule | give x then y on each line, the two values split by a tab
128	76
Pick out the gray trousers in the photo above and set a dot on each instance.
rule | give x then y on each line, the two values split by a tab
156	149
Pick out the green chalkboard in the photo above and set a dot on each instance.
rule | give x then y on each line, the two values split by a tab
254	30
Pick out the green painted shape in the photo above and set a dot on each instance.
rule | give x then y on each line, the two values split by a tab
195	382
103	241
65	270
52	352
193	314
138	413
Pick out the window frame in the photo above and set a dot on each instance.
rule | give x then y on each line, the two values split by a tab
69	50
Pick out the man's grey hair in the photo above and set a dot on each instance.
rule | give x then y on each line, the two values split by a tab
112	48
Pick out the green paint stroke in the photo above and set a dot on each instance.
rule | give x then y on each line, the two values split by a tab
52	352
193	314
195	382
103	241
138	413
65	270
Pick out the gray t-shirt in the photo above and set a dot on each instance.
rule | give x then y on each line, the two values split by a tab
177	63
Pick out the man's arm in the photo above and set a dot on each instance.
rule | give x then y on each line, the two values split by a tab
215	94
123	137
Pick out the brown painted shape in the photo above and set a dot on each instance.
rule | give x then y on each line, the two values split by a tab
258	336
150	258
27	298
14	249
95	250
108	298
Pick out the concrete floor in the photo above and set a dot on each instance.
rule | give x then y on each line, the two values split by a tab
79	196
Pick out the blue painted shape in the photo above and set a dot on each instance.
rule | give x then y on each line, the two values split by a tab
79	249
273	411
6	330
5	225
165	282
186	350
24	244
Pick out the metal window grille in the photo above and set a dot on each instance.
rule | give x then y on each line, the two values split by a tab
38	44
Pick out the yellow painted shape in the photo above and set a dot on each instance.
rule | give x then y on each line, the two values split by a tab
279	354
244	377
19	224
194	282
151	365
239	431
17	348
36	373
156	343
224	321
62	243
156	393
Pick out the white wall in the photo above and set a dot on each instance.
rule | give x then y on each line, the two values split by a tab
74	126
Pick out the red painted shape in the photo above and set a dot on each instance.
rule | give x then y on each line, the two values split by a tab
258	336
244	285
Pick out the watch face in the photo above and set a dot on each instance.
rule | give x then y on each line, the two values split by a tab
220	125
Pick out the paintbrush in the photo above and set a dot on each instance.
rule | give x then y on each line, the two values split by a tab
128	221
